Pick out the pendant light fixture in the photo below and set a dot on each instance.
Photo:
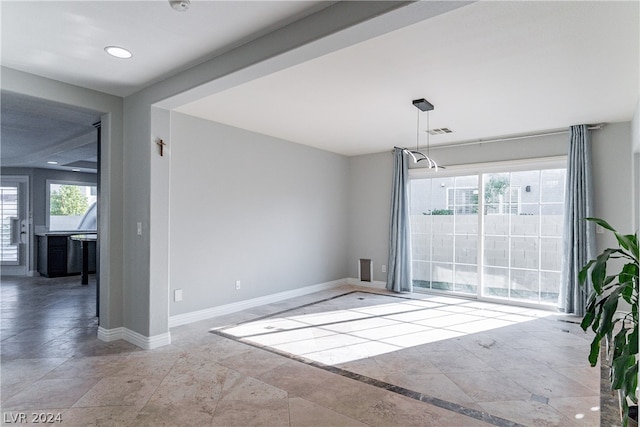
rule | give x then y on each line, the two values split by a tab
417	156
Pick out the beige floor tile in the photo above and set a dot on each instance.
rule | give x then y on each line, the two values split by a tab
165	414
461	361
548	383
255	413
61	393
241	387
528	413
253	361
120	391
298	379
488	386
586	375
104	416
583	411
88	367
303	413
27	370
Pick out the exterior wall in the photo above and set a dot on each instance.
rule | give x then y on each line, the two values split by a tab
435	232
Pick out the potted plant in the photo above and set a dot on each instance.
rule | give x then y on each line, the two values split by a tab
620	332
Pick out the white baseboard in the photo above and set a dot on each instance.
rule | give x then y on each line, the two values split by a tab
146	343
375	284
108	335
196	316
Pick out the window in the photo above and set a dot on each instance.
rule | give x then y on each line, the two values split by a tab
71	206
493	234
463	200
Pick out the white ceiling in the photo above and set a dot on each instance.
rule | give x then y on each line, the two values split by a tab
490	68
65	41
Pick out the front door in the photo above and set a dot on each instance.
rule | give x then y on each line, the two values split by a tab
14	225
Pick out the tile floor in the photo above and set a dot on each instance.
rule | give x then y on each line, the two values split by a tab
342	357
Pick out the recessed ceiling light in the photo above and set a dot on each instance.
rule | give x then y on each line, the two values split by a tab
180	5
118	52
52	162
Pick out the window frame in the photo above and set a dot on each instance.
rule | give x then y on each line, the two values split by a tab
48	184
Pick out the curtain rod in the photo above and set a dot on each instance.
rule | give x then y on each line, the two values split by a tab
510	138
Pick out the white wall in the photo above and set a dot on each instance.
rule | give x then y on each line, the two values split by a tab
370	185
249	207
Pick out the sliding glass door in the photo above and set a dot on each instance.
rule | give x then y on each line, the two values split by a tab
445	233
522	225
494	234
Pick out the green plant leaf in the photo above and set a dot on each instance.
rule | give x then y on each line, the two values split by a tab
625	240
609	308
584	272
633	340
631	382
602	223
595	350
599	270
619	369
587	320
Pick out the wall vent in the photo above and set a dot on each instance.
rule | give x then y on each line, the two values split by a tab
365	268
439	131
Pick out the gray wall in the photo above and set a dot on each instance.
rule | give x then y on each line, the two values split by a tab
613	180
635	143
370	185
369	211
249	207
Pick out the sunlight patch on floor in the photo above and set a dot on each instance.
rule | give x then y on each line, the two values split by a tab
360	325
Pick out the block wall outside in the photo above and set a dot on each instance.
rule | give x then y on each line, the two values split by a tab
535	241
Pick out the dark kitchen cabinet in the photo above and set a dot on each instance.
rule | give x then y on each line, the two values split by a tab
52	255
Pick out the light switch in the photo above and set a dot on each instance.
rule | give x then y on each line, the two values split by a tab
177	295
139	229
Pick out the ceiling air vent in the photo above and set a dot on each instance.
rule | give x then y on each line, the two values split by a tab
439	131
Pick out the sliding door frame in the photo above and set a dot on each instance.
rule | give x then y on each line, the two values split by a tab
479	169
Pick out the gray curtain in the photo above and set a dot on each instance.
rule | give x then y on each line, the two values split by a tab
579	235
399	267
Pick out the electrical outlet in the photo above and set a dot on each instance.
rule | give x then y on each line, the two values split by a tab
384	268
237	284
599	229
177	295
